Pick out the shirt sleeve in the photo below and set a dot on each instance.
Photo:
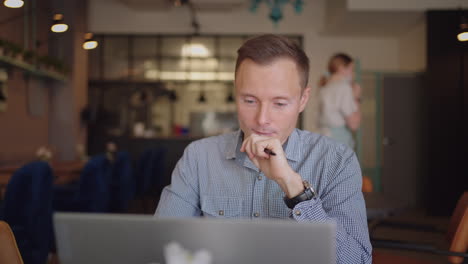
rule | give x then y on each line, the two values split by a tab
343	203
181	198
347	103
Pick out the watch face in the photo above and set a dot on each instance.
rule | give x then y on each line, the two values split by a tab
310	193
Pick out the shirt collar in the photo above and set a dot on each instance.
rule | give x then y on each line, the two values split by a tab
292	146
232	144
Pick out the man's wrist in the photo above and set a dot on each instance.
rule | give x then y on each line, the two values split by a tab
293	186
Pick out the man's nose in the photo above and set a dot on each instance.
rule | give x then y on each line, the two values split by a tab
263	115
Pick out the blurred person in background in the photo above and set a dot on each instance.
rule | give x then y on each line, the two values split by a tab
339	97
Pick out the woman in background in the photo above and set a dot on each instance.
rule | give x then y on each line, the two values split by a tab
339	101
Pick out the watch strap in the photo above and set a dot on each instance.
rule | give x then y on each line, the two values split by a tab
306	195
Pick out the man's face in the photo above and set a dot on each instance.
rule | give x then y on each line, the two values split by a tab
269	98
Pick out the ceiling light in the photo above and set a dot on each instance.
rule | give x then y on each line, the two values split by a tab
463	34
195	50
276	7
58	26
230	98
172	96
180	2
13	3
202	98
89	42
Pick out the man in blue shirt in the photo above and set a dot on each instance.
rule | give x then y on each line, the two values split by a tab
269	168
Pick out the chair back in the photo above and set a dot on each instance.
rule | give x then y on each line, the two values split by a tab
90	193
93	194
150	170
458	229
28	210
9	252
121	183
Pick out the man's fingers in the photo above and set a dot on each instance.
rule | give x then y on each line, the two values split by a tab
242	149
254	146
260	149
248	148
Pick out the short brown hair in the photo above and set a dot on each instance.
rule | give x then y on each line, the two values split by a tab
265	49
337	60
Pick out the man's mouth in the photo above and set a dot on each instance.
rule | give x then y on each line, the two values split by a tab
264	133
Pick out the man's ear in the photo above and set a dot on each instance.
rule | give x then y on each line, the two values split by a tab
304	98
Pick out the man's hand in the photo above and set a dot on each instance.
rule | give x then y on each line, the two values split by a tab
274	167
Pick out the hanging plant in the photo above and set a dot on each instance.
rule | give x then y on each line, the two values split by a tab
3	90
29	56
5	45
44	63
53	64
58	65
2	47
15	50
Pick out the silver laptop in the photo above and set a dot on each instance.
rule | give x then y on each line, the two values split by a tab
141	239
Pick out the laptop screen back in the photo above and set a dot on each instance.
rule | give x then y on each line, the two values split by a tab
141	239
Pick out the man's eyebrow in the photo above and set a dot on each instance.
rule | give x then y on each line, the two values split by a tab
288	98
281	98
246	94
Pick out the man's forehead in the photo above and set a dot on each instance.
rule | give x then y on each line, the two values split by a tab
288	64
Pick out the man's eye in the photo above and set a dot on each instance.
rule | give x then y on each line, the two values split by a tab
280	104
249	101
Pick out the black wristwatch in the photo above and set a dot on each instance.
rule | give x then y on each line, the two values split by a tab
306	195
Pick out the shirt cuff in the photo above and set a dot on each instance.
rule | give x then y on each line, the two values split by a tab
310	210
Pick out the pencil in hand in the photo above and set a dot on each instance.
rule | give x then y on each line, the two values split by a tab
269	152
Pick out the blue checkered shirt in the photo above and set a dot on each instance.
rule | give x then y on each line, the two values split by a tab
213	178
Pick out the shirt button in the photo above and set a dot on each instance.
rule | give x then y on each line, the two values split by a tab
297	212
259	177
221	212
256	214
